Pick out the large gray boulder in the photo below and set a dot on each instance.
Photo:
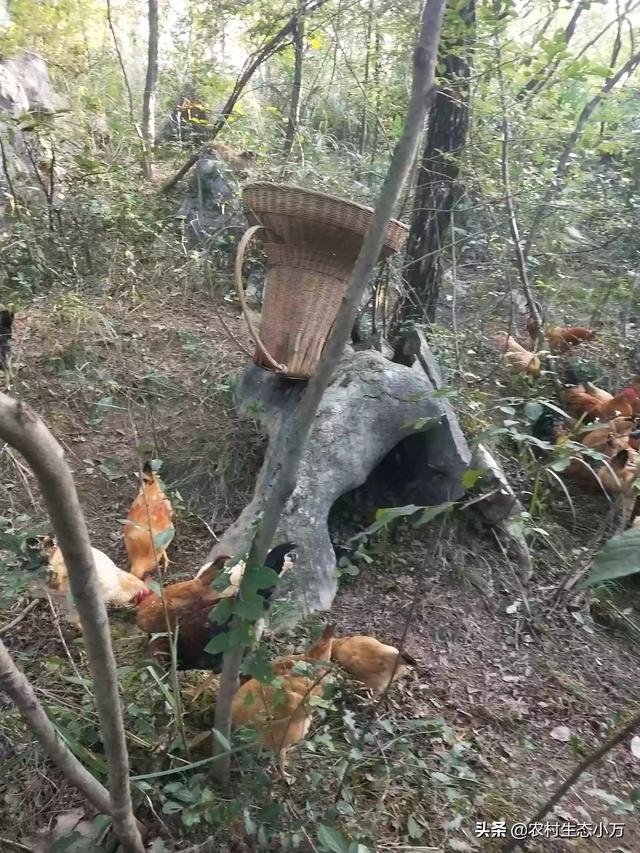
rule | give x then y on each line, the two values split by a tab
210	205
371	405
25	87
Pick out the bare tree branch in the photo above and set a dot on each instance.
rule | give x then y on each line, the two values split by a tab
18	689
563	163
22	429
626	11
536	83
281	482
123	68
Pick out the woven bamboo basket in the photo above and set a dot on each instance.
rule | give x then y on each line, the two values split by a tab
312	241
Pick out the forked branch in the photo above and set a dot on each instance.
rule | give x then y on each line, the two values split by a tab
26	432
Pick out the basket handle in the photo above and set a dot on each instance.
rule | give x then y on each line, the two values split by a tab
242	248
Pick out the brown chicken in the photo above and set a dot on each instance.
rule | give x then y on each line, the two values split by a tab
149	528
620	474
562	340
179	596
597	439
581	469
516	357
624	405
189	604
599	393
532	328
580	404
619	477
635	388
242	161
588	406
281	713
369	661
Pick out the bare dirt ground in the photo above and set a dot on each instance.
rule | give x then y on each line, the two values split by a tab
502	666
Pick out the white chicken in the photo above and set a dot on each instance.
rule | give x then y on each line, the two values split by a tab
116	586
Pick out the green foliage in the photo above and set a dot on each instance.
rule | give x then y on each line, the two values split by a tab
20	554
618	558
385	517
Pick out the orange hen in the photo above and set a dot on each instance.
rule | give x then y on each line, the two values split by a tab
238	161
281	712
562	340
369	661
149	527
581	404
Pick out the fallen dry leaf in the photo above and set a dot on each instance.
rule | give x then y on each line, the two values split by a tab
562	733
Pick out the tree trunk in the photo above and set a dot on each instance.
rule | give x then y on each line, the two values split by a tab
362	145
437	187
377	67
296	88
150	86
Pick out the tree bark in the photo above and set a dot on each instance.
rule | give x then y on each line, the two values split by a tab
280	483
362	144
377	68
22	429
437	187
254	61
150	87
296	88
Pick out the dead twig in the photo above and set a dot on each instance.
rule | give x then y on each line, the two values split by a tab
15	844
22	615
611	742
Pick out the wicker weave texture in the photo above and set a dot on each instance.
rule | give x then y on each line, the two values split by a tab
308	218
298	311
314	242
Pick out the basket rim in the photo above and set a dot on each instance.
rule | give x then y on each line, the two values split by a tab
304	191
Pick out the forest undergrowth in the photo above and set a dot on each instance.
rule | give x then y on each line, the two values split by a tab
470	736
129	341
